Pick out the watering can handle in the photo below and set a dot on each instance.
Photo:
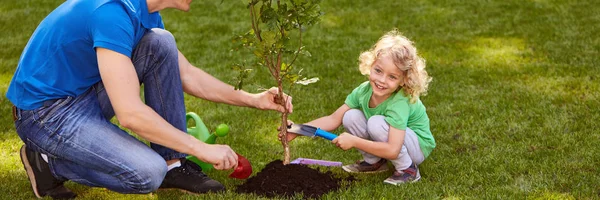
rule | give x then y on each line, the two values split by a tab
202	133
192	115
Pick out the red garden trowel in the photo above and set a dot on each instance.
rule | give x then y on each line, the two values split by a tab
310	131
243	169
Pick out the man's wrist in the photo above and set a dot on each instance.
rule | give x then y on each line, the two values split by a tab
249	99
195	147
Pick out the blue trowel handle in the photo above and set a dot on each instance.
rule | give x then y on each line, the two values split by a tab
325	134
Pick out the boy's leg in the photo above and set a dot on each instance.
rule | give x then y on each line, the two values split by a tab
355	123
411	142
410	156
83	146
410	153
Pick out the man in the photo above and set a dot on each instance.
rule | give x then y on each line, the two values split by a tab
83	65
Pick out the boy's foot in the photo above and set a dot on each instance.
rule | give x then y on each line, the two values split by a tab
41	179
189	177
364	167
409	175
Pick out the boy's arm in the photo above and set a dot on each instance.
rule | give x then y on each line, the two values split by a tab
330	122
387	150
327	123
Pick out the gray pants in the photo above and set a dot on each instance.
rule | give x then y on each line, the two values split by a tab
376	129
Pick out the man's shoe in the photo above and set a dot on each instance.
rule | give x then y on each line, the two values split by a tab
41	179
364	167
189	177
409	175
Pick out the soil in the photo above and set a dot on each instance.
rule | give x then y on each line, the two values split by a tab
278	180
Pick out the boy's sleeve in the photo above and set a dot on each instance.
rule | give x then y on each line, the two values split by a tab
111	28
352	99
397	115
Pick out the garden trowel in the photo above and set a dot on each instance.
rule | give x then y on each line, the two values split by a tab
243	169
310	131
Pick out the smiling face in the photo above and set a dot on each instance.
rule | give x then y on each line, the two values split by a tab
385	78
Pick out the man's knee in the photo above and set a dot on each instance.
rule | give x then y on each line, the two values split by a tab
145	177
160	38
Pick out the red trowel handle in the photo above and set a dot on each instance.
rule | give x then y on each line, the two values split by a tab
243	170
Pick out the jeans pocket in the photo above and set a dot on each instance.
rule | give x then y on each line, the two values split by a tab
47	115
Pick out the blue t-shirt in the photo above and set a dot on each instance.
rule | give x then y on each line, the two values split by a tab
60	58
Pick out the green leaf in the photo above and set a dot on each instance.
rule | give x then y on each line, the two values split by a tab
269	37
292	77
258	53
306	81
285	67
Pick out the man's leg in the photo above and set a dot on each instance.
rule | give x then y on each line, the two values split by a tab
156	62
83	146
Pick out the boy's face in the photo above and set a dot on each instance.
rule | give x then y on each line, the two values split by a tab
385	77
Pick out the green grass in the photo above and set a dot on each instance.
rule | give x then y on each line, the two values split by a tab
513	105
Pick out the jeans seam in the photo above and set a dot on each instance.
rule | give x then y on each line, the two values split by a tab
160	95
127	170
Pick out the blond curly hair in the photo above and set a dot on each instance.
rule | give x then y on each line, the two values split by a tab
405	57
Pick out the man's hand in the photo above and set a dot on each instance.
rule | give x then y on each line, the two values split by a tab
266	101
221	156
344	141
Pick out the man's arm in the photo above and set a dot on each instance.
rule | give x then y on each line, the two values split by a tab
122	86
202	85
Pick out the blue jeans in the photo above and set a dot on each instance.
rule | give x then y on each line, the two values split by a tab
85	147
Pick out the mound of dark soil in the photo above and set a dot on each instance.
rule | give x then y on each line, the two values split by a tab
278	180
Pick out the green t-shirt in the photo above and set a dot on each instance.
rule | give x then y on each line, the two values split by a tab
398	112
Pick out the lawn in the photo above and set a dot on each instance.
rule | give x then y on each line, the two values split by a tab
513	103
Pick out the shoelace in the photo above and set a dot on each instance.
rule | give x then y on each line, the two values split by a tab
191	169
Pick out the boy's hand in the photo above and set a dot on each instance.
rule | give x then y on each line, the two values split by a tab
344	141
290	136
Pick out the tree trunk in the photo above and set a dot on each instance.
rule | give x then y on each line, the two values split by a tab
284	142
283	128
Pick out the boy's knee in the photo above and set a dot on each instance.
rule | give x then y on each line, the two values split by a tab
377	125
352	117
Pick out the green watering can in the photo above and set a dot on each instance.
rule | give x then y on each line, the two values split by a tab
201	133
